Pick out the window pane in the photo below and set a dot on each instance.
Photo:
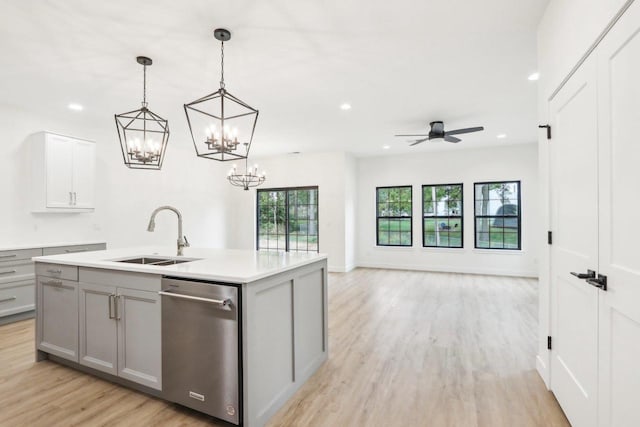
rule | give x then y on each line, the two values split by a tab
482	240
444	204
394	211
405	238
273	228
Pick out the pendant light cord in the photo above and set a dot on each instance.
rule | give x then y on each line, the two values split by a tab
222	64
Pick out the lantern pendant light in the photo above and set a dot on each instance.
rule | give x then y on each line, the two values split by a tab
221	125
143	134
249	178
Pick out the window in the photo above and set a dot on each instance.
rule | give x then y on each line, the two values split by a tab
497	214
288	219
442	216
393	216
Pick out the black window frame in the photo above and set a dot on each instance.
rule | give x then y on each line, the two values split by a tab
476	216
286	190
461	216
410	217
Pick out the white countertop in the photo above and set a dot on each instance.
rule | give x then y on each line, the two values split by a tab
220	265
10	247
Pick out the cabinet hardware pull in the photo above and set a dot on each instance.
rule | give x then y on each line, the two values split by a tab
75	198
111	304
7	272
8	256
7	299
70	198
71	251
54	271
117	306
220	302
53	283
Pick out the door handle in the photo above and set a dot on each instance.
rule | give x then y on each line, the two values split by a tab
590	274
600	282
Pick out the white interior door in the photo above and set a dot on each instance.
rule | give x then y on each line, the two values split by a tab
619	102
83	173
59	164
574	222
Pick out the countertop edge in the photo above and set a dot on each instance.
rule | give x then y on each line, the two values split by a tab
167	271
49	245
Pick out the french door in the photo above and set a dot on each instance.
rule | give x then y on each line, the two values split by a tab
595	208
619	225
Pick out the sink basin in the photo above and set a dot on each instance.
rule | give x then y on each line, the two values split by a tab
159	261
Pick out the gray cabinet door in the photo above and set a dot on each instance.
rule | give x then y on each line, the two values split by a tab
98	328
139	340
58	317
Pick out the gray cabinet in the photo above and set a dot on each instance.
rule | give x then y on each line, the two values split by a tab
57	329
98	328
18	277
139	340
120	327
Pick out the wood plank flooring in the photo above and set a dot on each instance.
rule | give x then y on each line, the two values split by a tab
406	349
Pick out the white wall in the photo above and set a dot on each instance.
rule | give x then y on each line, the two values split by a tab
448	167
124	198
331	172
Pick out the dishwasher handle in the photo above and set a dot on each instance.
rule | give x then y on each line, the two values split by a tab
220	302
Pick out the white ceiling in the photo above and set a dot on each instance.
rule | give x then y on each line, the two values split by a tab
400	64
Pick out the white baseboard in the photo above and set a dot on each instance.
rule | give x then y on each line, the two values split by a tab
543	371
446	269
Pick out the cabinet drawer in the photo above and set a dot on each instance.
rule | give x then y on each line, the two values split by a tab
73	249
58	271
16	271
19	254
17	298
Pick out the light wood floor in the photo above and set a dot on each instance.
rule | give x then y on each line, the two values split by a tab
406	349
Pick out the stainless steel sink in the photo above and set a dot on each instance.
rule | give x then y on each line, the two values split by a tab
159	261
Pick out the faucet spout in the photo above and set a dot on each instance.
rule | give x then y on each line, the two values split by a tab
182	241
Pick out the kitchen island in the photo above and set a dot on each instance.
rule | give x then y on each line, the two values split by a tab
252	325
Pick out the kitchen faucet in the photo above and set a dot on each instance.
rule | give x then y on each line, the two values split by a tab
182	240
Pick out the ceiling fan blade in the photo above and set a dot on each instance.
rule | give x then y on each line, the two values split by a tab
422	134
466	130
419	141
450	138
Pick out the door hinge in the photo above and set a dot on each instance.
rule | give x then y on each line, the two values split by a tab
548	128
549	237
548	343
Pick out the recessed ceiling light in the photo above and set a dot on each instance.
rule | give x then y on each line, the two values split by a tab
533	77
501	136
75	107
386	147
345	106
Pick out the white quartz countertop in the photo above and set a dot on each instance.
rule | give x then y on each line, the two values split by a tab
10	247
220	265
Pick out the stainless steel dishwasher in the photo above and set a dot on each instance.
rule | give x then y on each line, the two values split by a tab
201	347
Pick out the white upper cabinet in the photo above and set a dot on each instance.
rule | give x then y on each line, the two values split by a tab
62	173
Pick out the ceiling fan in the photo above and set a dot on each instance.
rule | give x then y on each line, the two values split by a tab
437	132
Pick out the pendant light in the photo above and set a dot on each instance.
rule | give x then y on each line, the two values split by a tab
221	125
250	177
143	134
